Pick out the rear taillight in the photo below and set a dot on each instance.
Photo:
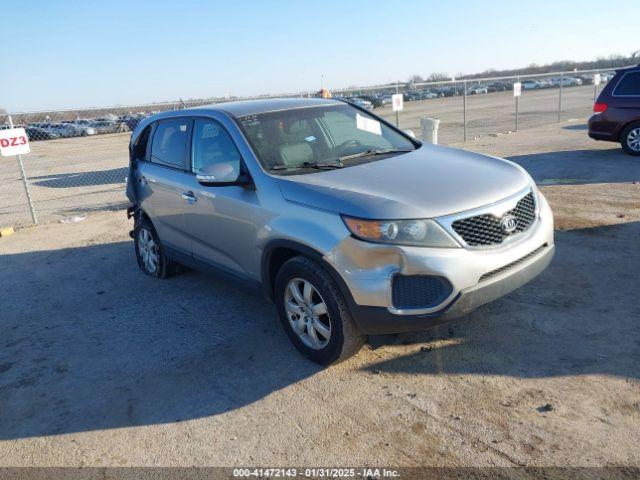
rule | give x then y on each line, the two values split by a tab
599	107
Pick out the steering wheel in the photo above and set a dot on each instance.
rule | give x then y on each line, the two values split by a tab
346	145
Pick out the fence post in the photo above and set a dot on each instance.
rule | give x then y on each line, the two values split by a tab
397	112
560	98
517	105
464	108
24	183
595	87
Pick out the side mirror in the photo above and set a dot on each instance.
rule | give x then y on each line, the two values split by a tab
411	133
223	174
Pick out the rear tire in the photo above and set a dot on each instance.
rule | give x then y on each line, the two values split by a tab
630	139
314	313
150	253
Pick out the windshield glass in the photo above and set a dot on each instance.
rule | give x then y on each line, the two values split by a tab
299	140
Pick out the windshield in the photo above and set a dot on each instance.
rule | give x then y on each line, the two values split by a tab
299	140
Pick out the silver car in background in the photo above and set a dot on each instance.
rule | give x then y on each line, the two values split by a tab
350	226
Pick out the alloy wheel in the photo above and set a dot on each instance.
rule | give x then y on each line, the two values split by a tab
307	313
148	251
633	139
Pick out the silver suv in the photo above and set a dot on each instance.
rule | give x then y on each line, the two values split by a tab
350	226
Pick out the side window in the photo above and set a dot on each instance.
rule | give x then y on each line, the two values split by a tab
170	141
629	85
140	148
213	151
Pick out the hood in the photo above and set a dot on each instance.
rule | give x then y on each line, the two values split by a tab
429	182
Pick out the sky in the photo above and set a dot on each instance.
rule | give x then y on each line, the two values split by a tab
60	54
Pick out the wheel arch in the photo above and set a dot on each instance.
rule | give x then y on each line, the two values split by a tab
277	252
139	215
624	127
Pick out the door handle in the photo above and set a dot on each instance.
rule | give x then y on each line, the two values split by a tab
189	197
144	180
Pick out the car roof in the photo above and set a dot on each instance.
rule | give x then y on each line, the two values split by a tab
237	109
254	107
628	69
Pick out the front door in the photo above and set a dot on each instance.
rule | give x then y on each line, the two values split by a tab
221	220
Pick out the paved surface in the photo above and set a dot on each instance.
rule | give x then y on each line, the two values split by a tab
71	176
101	365
495	112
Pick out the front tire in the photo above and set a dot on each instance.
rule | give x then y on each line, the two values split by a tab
630	139
150	253
314	313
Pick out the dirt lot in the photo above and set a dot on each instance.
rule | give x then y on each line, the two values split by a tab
101	365
71	176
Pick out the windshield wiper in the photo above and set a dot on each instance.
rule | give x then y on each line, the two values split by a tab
315	165
372	152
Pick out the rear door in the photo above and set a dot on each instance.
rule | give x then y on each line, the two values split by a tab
163	182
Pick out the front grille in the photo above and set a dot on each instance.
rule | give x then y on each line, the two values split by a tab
483	230
419	291
511	265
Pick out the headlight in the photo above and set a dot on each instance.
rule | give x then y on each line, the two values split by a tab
420	233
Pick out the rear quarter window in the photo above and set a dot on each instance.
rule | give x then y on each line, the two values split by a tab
140	147
629	85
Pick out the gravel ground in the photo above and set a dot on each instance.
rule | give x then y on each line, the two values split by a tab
103	366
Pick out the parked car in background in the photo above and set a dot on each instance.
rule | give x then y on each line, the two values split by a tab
109	126
476	90
36	133
73	130
411	96
66	130
605	77
102	126
544	83
375	100
82	130
449	91
427	95
565	81
350	226
131	121
60	129
360	102
498	87
386	100
586	79
530	85
81	121
616	115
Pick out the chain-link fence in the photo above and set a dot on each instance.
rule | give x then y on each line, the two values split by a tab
471	108
78	160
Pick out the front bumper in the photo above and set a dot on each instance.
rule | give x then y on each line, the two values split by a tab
379	320
477	275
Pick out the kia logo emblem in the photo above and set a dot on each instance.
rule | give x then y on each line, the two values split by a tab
508	224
